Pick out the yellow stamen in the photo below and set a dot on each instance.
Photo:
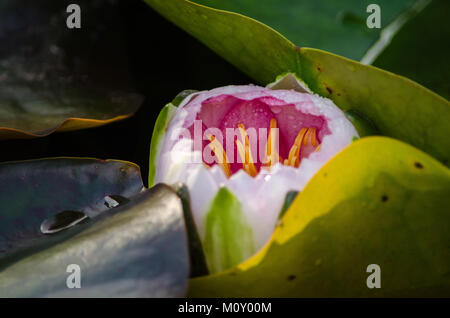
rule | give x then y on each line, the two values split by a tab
219	152
305	140
294	153
310	137
245	152
305	137
313	136
272	157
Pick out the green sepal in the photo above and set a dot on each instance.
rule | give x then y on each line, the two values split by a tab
159	131
229	238
362	125
288	199
181	96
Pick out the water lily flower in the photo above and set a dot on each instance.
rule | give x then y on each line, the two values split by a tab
240	150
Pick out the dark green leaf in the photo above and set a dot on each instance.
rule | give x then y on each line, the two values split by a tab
412	41
334	26
137	248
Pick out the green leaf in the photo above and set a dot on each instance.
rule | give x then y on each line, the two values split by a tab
53	78
181	96
398	107
229	238
135	249
385	203
335	26
406	44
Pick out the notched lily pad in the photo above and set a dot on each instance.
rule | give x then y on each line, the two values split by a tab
53	78
137	248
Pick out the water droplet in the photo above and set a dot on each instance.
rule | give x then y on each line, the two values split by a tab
276	110
62	221
113	201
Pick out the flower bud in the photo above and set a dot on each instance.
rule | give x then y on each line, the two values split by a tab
240	150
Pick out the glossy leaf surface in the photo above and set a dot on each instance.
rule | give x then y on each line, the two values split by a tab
379	201
54	78
132	245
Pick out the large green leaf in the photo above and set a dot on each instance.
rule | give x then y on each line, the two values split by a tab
397	106
56	78
408	41
335	26
379	201
138	248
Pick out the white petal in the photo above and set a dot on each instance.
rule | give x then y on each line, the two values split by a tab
202	190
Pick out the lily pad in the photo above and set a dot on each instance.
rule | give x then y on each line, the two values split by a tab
335	26
407	42
385	203
398	107
53	78
136	247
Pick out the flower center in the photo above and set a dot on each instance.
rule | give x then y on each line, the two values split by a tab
306	137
